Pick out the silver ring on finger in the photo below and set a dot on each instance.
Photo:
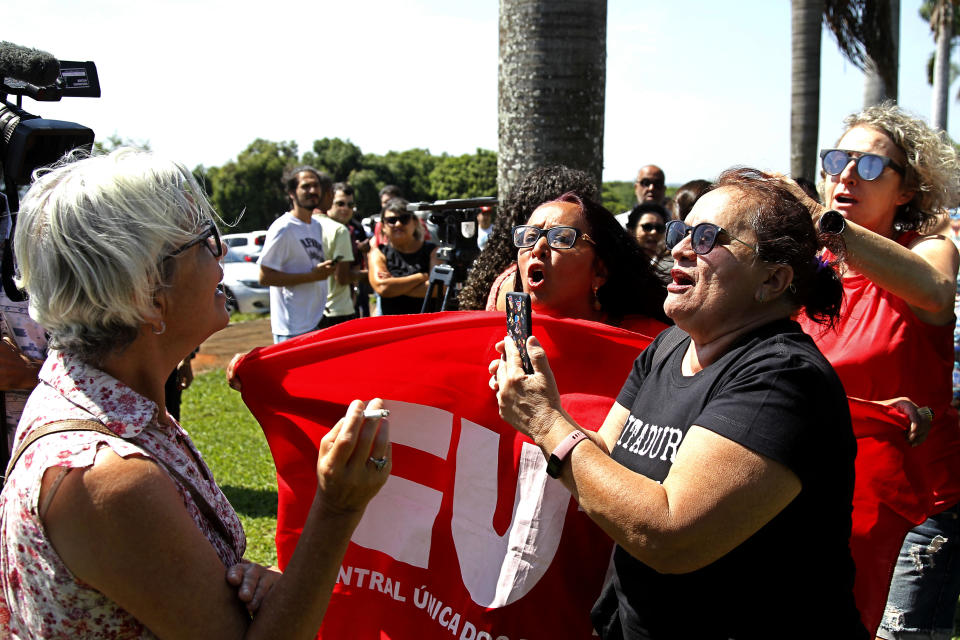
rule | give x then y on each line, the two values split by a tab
379	463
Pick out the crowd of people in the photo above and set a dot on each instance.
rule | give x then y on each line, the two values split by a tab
778	315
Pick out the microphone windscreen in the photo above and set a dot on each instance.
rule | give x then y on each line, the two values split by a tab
29	65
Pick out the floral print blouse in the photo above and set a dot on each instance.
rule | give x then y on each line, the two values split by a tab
39	597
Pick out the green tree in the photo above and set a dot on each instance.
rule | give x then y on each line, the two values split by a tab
366	191
618	196
466	176
114	141
335	156
252	184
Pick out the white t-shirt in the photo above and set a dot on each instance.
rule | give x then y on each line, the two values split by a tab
336	244
293	246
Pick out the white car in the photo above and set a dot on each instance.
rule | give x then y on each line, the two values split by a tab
241	283
245	243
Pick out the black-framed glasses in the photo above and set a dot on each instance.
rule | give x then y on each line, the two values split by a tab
400	218
525	236
210	236
703	237
869	165
650	227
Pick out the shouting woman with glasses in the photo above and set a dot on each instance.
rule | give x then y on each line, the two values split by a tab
724	471
111	524
399	269
576	261
885	183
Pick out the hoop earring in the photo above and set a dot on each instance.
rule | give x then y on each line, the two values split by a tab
163	327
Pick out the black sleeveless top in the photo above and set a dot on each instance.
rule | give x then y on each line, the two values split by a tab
405	264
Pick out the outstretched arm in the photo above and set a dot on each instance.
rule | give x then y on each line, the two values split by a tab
717	494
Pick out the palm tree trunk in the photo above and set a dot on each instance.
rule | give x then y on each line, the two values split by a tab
552	80
881	84
805	18
941	65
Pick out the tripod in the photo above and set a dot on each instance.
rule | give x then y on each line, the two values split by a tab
442	275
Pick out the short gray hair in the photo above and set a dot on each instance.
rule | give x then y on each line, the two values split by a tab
90	241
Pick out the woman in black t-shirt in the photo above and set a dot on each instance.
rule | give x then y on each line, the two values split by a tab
724	472
399	269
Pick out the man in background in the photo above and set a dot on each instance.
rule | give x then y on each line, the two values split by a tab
292	262
650	187
338	247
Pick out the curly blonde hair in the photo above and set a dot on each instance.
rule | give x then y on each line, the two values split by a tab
933	166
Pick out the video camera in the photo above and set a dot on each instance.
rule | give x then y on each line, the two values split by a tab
28	141
456	222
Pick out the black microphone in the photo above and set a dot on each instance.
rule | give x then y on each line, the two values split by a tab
29	65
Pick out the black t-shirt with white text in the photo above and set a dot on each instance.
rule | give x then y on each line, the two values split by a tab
775	394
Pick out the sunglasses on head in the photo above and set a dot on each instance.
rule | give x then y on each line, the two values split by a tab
703	237
209	236
647	182
869	165
400	218
650	227
525	236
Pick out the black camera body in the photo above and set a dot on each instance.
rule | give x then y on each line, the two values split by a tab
457	229
28	141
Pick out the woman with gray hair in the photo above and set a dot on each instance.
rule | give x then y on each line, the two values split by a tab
111	524
889	179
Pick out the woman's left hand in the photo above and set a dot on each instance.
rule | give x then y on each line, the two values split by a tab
253	581
529	403
920	420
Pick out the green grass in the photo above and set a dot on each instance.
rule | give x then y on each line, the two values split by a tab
233	445
236	317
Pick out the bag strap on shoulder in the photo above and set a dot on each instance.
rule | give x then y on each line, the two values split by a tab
60	426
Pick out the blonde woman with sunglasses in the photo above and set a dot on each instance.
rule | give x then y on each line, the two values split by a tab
886	185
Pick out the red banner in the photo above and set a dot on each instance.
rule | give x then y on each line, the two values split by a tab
469	538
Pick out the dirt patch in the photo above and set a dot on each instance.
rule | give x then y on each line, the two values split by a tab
241	337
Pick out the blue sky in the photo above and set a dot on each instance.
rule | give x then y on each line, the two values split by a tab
693	86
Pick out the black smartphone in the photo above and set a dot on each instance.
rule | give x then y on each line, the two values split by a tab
519	325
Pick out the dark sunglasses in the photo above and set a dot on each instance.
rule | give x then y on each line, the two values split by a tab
525	236
703	237
653	226
647	182
869	165
209	236
343	203
400	218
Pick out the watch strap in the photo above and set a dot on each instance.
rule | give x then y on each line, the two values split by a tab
560	453
832	222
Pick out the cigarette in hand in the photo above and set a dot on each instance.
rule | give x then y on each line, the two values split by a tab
375	413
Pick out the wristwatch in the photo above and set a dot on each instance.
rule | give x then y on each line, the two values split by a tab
832	222
555	462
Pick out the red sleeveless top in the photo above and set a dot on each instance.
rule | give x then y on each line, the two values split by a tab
881	350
